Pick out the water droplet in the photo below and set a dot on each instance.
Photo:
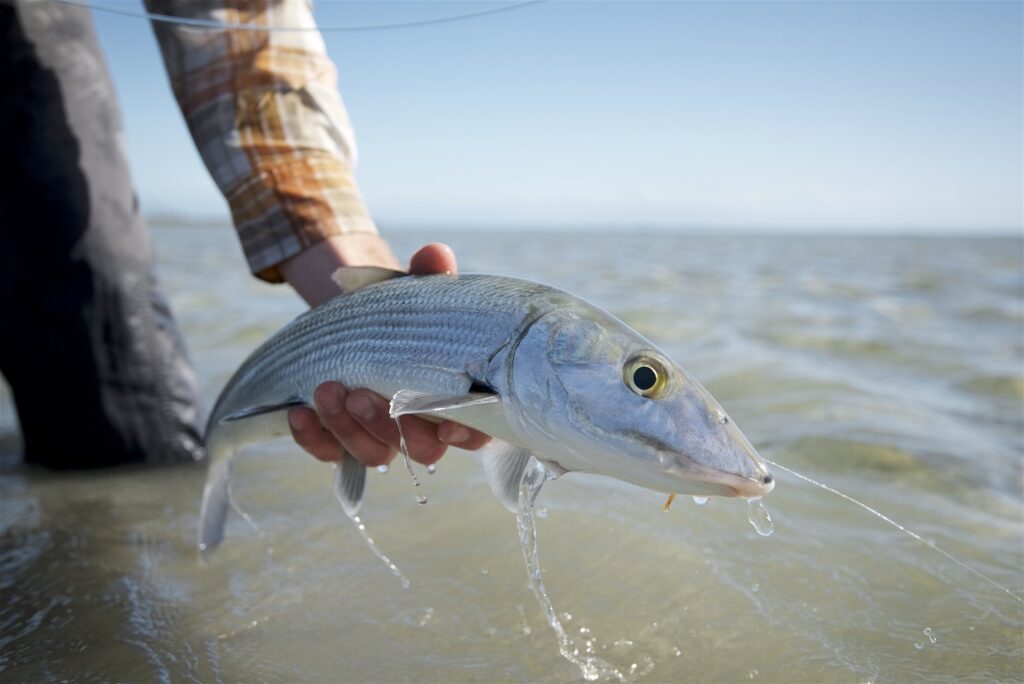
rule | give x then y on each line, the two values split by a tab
759	517
752	674
542	512
918	645
931	637
676	651
700	500
484	571
755	588
584	631
383	468
421	499
567	616
431	469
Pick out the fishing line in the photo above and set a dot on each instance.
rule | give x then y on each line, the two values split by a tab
895	524
220	25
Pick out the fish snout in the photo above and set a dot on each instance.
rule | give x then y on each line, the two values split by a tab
750	488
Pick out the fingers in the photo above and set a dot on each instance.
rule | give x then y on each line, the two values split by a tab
330	399
309	434
421	439
433	258
461	436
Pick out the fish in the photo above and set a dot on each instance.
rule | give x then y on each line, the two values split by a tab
551	377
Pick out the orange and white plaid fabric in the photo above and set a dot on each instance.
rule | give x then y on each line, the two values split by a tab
264	110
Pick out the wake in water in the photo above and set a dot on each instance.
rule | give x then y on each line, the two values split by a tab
899	527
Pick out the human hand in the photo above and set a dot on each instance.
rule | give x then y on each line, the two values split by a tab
358	420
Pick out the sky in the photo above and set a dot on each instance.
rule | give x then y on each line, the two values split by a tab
802	116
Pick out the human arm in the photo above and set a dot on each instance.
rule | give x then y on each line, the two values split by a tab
264	111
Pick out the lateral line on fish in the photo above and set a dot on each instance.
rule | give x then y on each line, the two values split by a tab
900	527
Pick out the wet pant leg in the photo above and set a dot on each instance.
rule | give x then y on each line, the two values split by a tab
98	371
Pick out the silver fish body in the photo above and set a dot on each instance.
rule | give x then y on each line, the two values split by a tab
547	374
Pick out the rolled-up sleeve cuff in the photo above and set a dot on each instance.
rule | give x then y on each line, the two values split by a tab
286	209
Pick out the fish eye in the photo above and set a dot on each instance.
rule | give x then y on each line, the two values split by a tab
646	376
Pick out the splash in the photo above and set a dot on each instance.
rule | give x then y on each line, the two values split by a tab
591	667
901	528
361	528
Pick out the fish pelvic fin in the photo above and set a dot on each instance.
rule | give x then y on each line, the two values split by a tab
504	465
352	278
349	484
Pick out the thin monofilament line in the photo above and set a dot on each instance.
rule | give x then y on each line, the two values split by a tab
895	524
221	25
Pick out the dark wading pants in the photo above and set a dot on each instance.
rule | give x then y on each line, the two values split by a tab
87	342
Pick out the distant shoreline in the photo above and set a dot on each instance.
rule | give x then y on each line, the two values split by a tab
175	221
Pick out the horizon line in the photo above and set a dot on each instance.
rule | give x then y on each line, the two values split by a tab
170	219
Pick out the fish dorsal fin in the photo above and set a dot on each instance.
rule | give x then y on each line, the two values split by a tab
352	278
504	466
409	402
349	484
263	409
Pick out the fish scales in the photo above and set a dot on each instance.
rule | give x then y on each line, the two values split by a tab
368	338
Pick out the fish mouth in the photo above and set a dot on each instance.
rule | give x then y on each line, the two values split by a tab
751	488
729	484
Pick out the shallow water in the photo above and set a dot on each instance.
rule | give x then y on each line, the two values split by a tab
888	368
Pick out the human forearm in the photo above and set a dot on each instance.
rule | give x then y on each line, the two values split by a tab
309	272
265	113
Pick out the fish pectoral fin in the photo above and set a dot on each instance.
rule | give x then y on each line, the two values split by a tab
262	409
504	466
352	278
349	484
409	402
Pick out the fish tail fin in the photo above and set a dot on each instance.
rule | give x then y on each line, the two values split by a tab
213	512
252	424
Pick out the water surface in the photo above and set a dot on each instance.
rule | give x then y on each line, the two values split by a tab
890	368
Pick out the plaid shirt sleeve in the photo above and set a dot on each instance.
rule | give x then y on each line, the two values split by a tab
264	110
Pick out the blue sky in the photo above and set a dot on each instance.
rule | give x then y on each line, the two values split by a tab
767	115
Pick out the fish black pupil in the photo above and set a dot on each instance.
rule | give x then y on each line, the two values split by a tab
644	378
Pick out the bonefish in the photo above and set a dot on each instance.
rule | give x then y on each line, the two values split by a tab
548	375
